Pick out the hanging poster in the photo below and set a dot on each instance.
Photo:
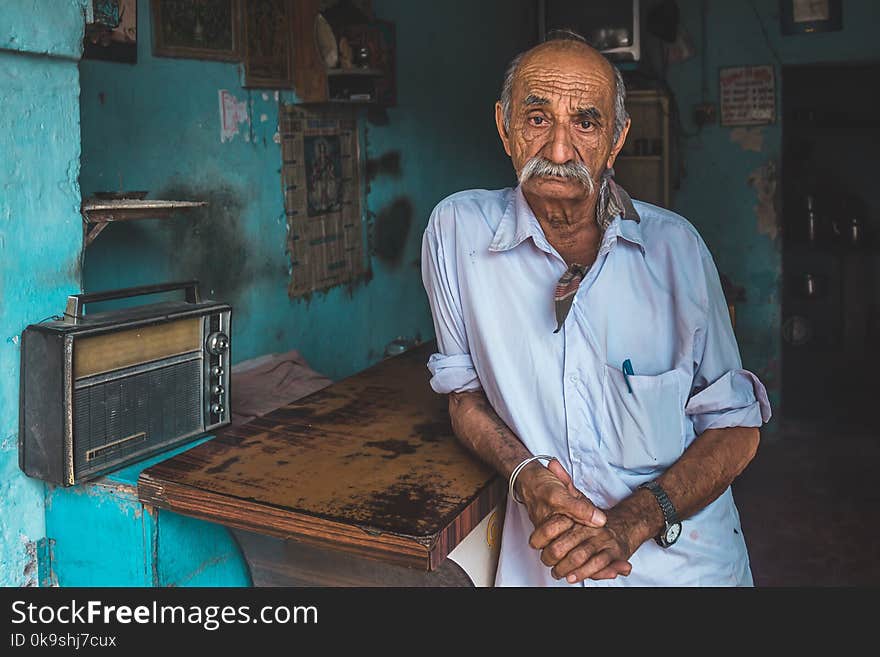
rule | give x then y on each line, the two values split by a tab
748	95
322	197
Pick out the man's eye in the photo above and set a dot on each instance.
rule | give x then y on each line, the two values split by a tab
585	125
537	120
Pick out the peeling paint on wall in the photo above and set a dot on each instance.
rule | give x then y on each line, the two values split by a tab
40	233
232	113
31	571
764	181
749	139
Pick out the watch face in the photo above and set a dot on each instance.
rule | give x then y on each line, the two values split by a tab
672	533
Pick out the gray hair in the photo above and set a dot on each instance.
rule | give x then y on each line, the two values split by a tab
620	113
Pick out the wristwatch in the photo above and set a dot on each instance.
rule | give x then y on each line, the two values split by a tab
670	533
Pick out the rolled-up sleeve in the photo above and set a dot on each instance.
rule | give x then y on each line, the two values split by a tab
723	394
452	369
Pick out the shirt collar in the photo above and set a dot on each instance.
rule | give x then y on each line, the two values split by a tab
519	222
625	229
619	201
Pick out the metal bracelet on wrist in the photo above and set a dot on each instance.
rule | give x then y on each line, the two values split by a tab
513	475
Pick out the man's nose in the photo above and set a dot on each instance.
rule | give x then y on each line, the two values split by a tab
560	148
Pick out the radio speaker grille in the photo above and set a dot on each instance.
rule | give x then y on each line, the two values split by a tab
120	418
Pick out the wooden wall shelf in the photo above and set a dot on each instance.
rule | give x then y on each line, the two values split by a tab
316	84
97	213
355	71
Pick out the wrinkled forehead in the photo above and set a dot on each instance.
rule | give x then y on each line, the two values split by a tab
569	80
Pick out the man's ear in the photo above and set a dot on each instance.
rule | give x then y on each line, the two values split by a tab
618	146
502	132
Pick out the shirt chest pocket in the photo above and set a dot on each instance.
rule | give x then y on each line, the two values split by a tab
644	429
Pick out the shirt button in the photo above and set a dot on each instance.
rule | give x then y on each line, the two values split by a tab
573	378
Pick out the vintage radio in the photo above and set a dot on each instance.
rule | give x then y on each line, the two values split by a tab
107	389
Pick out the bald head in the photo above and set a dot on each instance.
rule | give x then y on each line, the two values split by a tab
570	49
567	50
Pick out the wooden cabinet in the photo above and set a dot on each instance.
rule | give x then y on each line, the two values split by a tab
642	167
371	82
309	73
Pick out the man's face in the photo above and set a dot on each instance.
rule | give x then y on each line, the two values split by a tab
562	110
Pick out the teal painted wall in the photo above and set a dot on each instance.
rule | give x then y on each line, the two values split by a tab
103	536
42	27
40	230
715	192
155	126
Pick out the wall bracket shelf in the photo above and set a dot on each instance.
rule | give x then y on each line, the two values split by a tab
97	213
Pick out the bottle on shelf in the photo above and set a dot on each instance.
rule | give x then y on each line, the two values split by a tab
811	219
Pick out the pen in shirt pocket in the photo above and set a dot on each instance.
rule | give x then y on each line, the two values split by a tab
627	369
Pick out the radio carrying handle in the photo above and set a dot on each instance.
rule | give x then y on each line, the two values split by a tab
75	302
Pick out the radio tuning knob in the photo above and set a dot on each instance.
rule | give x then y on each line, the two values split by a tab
217	409
217	343
217	390
216	371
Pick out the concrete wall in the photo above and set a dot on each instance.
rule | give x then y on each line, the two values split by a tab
155	126
40	230
730	188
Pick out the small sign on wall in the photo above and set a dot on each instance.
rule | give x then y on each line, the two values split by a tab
748	95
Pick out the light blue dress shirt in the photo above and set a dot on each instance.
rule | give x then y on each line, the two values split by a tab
653	296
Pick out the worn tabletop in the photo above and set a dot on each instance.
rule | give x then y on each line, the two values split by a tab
368	465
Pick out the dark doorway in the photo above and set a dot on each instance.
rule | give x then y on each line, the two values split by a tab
831	202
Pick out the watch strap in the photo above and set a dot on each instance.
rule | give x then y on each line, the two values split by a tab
670	515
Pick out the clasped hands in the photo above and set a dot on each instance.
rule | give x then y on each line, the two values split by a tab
576	538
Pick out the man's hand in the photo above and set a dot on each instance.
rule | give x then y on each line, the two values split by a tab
560	534
547	495
587	552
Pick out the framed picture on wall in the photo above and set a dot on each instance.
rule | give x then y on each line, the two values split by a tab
748	95
111	31
197	29
268	47
805	16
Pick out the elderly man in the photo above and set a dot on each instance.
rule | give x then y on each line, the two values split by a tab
587	351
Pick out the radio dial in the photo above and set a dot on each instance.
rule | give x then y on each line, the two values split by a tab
217	371
217	390
217	343
217	409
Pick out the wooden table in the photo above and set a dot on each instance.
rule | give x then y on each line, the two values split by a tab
361	483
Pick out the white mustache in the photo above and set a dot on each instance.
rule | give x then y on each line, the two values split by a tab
542	167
